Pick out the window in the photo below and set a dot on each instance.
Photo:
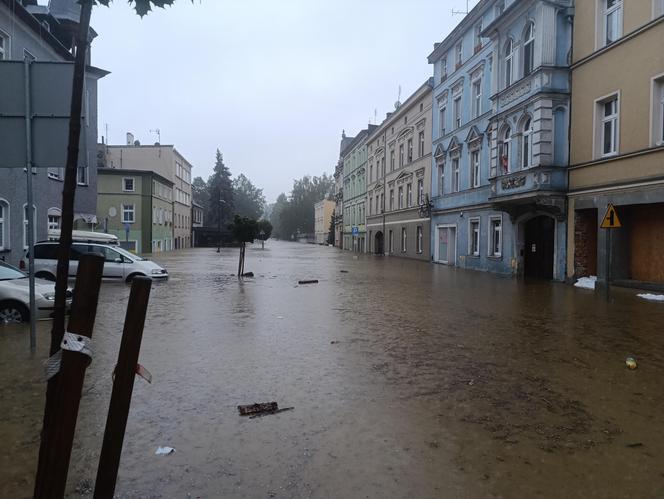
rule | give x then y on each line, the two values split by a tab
478	37
82	175
457	112
370	172
53	218
391	242
509	60
410	150
25	225
500	7
420	141
474	237
529	49
441	120
401	158
391	199
527	145
377	207
128	184
477	97
404	242
382	202
370	204
496	237
55	173
400	197
504	150
459	54
608	110
420	192
420	239
612	20
409	195
4	46
475	169
658	110
128	213
405	120
443	69
658	7
391	161
455	175
4	224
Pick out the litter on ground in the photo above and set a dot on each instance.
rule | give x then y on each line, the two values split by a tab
161	451
586	282
651	297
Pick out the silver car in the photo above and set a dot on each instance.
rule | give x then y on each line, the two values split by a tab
15	296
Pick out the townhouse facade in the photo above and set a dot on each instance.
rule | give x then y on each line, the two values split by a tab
354	190
500	139
166	161
398	178
42	36
136	206
339	191
617	142
323	215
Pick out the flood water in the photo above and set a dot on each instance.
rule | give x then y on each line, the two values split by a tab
408	380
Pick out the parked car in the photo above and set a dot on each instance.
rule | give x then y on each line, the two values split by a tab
15	296
120	264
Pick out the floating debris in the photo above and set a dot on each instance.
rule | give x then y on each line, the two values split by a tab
261	409
631	362
162	451
248	274
308	281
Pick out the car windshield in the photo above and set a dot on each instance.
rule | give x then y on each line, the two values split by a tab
7	272
127	254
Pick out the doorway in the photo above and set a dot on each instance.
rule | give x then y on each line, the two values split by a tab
539	247
378	243
446	245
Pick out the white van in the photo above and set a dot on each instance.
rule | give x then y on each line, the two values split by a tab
120	264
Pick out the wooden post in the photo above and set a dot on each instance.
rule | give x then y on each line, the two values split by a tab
123	385
72	375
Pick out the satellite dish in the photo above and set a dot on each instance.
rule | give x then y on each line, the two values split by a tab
112	211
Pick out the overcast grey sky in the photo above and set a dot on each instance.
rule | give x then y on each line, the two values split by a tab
270	83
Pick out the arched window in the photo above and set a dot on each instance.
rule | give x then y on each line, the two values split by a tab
527	145
54	215
529	49
504	149
4	224
509	62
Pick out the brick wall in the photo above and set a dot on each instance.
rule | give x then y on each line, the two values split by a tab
585	242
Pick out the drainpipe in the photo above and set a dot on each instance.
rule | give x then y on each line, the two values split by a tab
31	214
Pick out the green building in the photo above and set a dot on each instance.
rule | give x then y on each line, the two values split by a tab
136	206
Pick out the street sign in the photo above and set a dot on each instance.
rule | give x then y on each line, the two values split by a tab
356	231
611	220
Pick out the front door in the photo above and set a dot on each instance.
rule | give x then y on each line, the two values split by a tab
447	245
378	246
538	250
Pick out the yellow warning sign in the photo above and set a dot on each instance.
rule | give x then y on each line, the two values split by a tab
611	220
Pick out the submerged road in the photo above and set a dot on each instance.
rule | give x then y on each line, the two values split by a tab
408	380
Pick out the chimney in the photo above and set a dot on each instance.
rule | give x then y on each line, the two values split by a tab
130	139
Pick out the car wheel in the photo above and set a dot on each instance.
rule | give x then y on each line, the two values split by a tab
13	313
131	277
45	275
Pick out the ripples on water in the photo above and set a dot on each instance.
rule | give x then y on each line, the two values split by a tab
408	380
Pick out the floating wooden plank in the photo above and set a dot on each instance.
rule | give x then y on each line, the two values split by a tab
247	410
309	281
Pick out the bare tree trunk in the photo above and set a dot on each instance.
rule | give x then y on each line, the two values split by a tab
68	196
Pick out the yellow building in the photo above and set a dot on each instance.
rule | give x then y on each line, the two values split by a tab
323	212
617	141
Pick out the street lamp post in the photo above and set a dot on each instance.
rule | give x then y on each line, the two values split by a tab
262	234
219	223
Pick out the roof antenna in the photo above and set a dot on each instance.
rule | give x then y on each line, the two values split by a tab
158	133
461	12
397	104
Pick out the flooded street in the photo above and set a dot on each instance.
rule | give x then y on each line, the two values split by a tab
408	380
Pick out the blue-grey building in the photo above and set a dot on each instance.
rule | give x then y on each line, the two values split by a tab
43	35
500	124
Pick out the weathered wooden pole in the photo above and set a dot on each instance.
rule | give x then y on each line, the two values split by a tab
75	358
123	385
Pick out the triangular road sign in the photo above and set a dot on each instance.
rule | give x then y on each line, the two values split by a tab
611	220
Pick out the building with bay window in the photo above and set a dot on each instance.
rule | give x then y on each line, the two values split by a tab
617	141
500	126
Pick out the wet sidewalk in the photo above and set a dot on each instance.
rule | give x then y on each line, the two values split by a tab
409	380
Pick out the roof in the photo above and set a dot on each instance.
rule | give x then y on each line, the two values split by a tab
131	171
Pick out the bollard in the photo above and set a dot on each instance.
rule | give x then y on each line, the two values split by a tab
123	384
60	433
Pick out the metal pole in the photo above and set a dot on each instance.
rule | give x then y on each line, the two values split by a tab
219	223
607	289
31	217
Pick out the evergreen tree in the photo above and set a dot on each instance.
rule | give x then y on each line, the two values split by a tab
220	194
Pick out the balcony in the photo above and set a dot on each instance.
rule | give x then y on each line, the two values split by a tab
538	188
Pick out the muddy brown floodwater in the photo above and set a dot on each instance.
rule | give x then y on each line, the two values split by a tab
409	380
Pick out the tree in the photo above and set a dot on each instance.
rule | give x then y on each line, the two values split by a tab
330	234
298	215
245	230
264	231
275	216
248	199
220	194
68	198
200	193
